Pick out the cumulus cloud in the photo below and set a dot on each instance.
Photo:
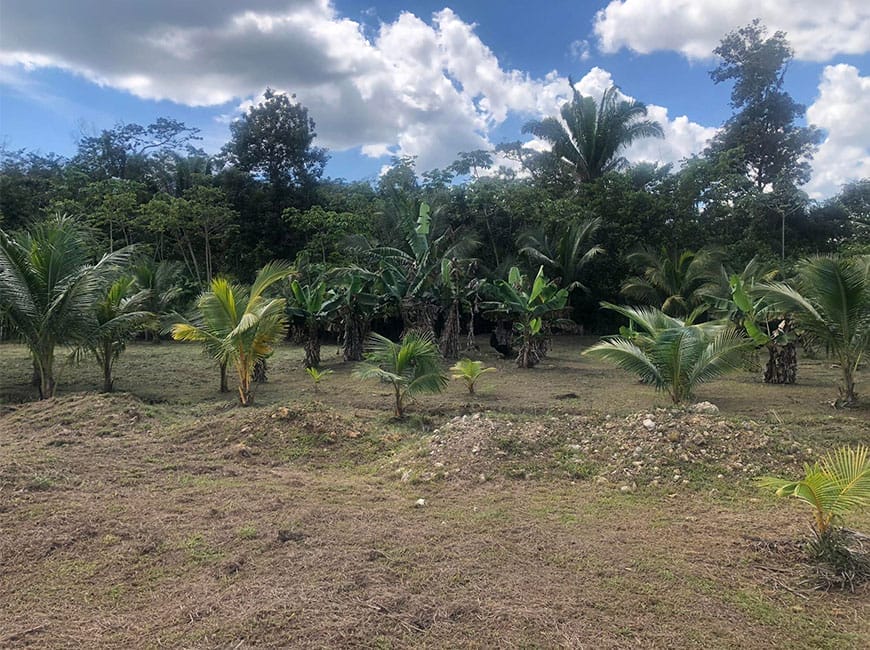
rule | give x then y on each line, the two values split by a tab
817	30
841	110
409	87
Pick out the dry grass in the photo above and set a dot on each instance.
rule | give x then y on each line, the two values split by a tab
170	518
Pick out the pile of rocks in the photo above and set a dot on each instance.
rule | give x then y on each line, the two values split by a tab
662	447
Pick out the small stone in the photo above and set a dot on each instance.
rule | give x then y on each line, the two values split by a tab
649	425
625	489
720	476
419	503
704	408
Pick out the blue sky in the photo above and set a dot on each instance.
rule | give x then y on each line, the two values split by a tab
419	78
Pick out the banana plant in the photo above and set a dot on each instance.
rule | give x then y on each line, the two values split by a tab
314	304
528	307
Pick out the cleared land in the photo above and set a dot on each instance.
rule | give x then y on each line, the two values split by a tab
167	517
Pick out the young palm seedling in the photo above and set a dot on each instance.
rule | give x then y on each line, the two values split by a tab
469	371
834	486
411	366
318	376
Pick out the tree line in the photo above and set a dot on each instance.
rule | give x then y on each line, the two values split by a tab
158	233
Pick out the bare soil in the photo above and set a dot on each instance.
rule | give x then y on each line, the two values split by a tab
552	516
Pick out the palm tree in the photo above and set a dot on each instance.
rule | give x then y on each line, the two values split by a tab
238	324
837	484
162	281
314	304
675	282
590	137
412	366
672	355
564	255
49	288
119	315
830	304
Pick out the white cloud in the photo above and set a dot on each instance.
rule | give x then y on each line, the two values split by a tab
816	30
841	110
579	50
409	87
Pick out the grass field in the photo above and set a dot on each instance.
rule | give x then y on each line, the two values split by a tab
165	516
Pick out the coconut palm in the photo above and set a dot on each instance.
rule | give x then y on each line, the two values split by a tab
830	303
120	314
590	136
239	325
840	482
411	366
49	287
313	303
162	280
675	282
673	355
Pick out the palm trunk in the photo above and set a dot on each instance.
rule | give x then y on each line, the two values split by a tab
106	362
224	386
399	410
246	393
44	361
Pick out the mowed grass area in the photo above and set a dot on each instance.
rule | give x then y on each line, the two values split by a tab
165	516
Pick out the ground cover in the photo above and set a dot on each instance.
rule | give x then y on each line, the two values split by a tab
554	514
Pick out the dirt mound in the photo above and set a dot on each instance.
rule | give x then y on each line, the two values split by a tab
99	414
665	447
280	434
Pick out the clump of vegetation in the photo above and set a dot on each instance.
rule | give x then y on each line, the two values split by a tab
317	375
411	366
836	485
673	355
529	307
469	371
831	306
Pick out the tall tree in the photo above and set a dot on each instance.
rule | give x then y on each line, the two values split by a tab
274	141
773	150
590	137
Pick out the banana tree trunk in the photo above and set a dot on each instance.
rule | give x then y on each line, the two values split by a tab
781	367
418	317
451	332
260	369
355	330
312	348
